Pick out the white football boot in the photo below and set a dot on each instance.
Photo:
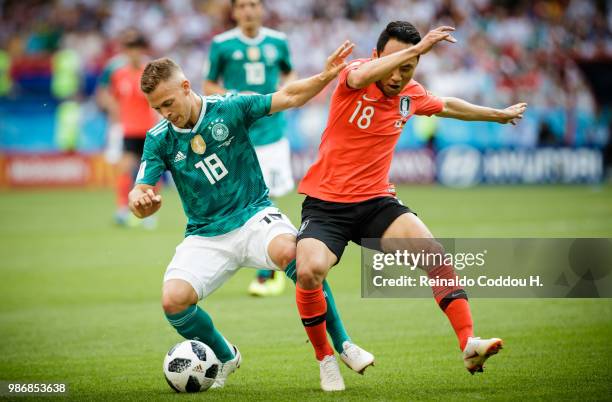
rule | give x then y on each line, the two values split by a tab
257	288
331	379
227	368
356	358
270	287
477	351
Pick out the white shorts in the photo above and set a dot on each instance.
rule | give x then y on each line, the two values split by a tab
275	162
208	262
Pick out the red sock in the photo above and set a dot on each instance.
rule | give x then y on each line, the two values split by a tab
460	317
312	307
442	272
123	187
453	301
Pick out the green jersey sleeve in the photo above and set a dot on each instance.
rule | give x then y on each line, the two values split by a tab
214	62
253	107
285	58
152	164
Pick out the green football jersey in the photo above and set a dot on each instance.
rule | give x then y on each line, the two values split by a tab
214	165
252	64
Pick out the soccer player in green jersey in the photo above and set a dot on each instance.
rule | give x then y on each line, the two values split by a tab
254	59
204	143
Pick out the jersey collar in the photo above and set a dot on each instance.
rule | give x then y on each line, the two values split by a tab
374	93
251	41
198	123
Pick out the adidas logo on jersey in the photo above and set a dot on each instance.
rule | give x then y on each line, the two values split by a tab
226	143
237	55
179	157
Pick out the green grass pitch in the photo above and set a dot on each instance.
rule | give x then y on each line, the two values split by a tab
80	304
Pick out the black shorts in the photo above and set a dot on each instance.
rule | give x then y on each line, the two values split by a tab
335	223
133	145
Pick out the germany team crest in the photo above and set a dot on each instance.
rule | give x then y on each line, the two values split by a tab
404	106
198	145
270	53
220	132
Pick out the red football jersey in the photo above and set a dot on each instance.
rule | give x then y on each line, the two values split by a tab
357	145
135	114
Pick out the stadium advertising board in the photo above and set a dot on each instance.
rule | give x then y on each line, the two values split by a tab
463	166
51	170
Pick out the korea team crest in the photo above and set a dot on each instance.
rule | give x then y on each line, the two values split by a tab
404	106
198	145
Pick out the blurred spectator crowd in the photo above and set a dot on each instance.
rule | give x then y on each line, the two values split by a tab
507	51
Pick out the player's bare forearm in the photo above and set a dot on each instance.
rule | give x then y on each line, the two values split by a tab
297	93
462	110
378	68
456	108
143	201
289	77
212	88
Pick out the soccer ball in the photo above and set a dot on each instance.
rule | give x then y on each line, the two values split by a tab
191	366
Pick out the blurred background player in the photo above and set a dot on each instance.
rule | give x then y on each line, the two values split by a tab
251	58
129	116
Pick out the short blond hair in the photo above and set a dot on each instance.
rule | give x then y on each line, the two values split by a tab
157	71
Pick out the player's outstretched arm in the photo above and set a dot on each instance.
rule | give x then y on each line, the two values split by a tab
297	93
377	69
459	109
143	201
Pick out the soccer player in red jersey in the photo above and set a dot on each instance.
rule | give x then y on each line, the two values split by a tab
349	196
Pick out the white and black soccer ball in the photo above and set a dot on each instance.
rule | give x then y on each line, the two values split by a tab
191	366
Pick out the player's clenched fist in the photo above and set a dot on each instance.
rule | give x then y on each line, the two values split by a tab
434	36
144	203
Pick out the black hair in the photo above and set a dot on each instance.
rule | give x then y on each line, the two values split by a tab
402	31
132	38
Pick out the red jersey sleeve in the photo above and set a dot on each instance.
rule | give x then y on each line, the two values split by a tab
426	103
343	76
